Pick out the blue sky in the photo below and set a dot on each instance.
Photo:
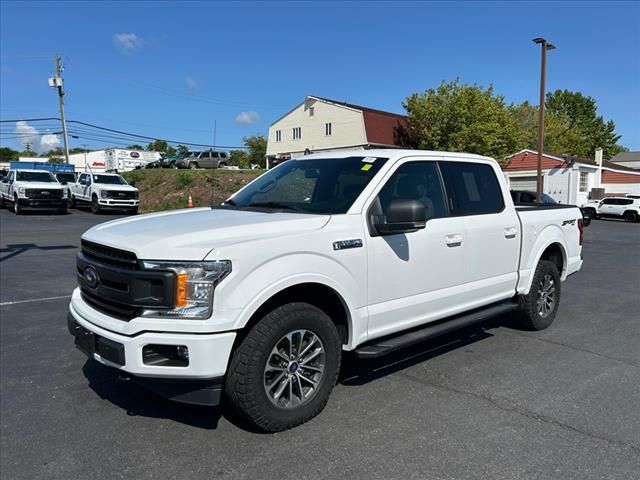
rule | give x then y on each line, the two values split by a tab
171	69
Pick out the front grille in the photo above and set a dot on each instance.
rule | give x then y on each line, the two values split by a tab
43	193
109	307
122	195
110	256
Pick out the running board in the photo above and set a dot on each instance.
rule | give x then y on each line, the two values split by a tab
388	344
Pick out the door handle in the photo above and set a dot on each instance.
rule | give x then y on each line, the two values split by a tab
454	240
510	232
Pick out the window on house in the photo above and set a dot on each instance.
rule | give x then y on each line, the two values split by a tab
327	129
311	111
278	135
297	133
584	176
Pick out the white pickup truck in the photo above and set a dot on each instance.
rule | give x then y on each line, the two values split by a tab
104	191
34	190
363	251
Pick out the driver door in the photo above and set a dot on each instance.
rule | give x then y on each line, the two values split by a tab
416	277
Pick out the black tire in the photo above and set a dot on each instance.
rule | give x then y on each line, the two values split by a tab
63	211
222	164
133	211
72	201
95	206
246	380
630	216
590	212
17	209
173	165
1	201
535	315
193	165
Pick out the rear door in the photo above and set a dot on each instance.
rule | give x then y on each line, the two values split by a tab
205	160
492	242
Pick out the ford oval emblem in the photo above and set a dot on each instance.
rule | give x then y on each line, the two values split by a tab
134	155
91	277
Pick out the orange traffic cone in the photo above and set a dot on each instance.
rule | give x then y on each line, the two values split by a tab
190	202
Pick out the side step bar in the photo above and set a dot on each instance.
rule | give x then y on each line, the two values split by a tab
389	344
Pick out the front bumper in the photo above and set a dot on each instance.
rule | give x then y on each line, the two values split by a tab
200	382
115	203
43	204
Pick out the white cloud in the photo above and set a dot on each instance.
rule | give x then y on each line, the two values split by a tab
127	42
192	84
247	118
38	142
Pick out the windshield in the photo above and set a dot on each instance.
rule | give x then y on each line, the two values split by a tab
109	179
35	177
326	186
66	177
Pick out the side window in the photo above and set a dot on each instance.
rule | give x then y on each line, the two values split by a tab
624	201
608	201
416	181
215	155
204	155
472	188
527	198
82	178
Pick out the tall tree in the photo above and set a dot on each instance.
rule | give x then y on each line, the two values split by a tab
584	130
8	154
256	149
158	146
182	150
135	146
459	117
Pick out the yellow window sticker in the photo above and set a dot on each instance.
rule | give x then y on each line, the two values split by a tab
366	167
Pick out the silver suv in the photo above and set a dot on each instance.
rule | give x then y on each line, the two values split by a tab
205	159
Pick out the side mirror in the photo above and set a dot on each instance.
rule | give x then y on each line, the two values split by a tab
402	216
63	182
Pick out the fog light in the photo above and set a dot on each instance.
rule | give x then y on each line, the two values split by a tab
183	353
165	355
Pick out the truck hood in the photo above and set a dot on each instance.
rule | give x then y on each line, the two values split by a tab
48	185
115	188
191	234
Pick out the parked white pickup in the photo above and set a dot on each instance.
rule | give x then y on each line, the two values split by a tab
367	251
104	191
33	189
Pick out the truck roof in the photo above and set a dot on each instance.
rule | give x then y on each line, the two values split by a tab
392	152
30	170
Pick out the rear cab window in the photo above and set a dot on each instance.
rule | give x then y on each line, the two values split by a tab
472	188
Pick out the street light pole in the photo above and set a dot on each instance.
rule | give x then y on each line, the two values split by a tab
543	74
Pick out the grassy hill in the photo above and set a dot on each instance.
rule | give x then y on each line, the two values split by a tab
168	189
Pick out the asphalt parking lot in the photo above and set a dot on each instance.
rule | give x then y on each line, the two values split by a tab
488	402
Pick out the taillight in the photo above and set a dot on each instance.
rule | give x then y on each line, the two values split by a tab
581	230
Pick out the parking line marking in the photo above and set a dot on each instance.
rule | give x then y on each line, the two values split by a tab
31	300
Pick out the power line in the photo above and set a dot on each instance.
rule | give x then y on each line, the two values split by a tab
128	136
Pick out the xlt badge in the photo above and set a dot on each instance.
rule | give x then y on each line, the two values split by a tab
344	244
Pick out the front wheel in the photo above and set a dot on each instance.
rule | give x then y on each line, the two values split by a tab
630	216
72	201
133	211
283	371
193	165
540	305
95	206
17	209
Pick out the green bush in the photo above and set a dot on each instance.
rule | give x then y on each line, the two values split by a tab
184	179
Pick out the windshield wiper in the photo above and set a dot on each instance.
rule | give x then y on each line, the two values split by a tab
277	205
231	202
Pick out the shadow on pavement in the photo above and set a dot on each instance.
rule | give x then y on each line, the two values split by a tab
137	401
19	248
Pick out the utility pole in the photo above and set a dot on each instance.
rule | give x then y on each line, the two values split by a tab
543	74
84	147
215	124
56	82
27	146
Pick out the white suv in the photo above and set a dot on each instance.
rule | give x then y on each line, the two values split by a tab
617	207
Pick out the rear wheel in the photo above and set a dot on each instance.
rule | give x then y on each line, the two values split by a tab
222	164
283	371
95	206
630	216
540	305
193	165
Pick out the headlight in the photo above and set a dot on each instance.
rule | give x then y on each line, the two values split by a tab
103	194
21	191
195	283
